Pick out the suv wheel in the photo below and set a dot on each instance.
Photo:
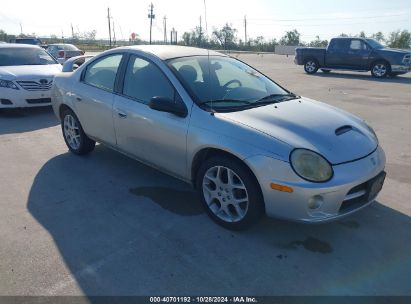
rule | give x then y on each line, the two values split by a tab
380	69
229	193
311	66
76	140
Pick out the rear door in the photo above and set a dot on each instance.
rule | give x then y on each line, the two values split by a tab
336	54
94	97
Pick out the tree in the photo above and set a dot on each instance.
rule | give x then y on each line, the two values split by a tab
400	39
291	38
343	35
379	36
362	34
318	42
226	36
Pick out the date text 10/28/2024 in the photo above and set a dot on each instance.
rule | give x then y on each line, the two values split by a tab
203	300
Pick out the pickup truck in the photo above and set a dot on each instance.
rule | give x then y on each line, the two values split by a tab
355	54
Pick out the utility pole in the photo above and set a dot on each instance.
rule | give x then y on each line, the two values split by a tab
165	29
151	16
200	34
114	34
72	31
245	30
205	16
109	25
21	29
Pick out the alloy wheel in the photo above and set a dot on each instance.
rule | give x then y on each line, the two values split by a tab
71	131
310	66
379	70
225	194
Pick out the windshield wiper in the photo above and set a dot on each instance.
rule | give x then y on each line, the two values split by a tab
208	102
273	98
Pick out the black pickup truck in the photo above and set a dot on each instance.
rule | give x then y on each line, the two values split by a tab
355	54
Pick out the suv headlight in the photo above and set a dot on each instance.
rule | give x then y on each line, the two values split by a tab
311	166
8	84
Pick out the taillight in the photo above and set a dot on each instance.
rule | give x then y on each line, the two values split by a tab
61	54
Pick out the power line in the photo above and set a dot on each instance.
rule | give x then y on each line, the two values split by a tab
325	24
335	18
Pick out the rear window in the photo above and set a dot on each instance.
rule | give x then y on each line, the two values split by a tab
70	47
339	44
25	56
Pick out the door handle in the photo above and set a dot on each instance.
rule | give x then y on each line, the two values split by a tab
78	98
121	114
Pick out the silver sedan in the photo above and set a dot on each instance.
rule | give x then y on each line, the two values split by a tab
249	146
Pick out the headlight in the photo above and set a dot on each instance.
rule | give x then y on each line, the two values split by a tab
8	84
311	166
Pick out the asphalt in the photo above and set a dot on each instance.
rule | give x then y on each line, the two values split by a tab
104	224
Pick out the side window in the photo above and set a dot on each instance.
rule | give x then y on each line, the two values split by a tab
102	73
356	45
144	80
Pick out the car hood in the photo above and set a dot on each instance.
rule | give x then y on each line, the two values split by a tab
337	135
22	72
396	51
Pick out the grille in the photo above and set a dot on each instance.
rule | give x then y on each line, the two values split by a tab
4	101
35	86
38	100
361	194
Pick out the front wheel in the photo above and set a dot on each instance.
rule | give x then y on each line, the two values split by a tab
76	140
380	69
311	66
230	193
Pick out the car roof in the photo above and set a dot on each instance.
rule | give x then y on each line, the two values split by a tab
61	44
165	52
18	45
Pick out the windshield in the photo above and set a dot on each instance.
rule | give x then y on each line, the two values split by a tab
24	56
224	83
375	44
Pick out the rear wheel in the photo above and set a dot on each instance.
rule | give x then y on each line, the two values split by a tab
311	66
230	193
76	140
380	69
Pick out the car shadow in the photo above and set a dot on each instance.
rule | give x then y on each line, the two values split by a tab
123	228
368	77
26	119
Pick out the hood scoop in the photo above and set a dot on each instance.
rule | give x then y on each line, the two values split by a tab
342	130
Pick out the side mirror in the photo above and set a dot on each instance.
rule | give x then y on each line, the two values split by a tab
165	104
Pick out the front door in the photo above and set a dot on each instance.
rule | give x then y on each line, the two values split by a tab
157	138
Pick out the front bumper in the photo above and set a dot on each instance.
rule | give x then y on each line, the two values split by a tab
401	68
22	98
310	202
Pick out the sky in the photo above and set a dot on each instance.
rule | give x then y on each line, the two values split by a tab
325	18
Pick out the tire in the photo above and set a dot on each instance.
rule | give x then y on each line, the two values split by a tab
76	140
311	66
325	71
380	69
219	197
